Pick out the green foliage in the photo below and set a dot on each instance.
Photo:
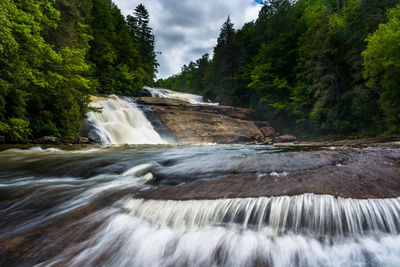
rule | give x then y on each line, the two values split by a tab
300	65
53	54
15	130
382	67
122	50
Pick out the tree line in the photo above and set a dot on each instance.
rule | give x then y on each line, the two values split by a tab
54	53
311	67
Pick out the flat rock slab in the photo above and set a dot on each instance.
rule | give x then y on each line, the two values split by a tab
205	123
360	178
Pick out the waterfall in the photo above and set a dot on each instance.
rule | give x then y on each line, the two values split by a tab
121	122
165	93
305	230
314	215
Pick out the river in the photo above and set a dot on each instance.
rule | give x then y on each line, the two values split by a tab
166	204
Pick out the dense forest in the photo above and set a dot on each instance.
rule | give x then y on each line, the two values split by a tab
311	67
54	53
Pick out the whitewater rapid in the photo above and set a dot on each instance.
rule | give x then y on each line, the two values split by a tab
81	206
134	201
190	98
120	121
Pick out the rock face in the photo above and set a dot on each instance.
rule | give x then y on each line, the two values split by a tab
207	123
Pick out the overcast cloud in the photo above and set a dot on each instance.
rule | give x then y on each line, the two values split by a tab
185	30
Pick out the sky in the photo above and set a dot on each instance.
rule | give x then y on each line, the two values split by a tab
187	29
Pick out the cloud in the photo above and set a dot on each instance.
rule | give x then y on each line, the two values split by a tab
185	30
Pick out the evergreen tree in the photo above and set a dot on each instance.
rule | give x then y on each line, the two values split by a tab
221	72
143	38
300	66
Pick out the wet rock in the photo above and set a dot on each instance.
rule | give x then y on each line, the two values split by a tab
145	93
160	128
91	133
287	138
361	178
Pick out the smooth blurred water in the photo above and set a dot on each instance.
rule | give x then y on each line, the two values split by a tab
190	98
78	206
120	121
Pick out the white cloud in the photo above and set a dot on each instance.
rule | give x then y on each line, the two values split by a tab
185	30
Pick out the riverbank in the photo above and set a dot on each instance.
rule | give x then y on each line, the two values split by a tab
389	139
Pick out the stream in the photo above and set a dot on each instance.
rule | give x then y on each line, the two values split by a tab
154	203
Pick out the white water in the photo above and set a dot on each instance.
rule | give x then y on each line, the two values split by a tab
165	93
134	242
309	214
289	231
122	122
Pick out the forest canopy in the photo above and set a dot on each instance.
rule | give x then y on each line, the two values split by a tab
311	67
54	53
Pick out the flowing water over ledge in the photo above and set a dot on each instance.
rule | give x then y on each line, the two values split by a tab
200	205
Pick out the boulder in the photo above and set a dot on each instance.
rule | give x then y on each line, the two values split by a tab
268	131
287	138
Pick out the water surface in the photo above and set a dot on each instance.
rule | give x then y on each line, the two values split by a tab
199	205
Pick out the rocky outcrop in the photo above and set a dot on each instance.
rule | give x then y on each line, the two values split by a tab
287	138
207	123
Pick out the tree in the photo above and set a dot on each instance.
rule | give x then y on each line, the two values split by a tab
220	75
382	67
142	35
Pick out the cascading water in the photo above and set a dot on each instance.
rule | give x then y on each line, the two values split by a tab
308	214
199	205
165	93
120	121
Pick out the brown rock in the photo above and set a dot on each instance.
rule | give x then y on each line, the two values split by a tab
268	131
359	178
205	123
287	138
239	113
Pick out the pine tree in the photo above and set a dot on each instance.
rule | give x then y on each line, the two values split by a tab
220	75
144	40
